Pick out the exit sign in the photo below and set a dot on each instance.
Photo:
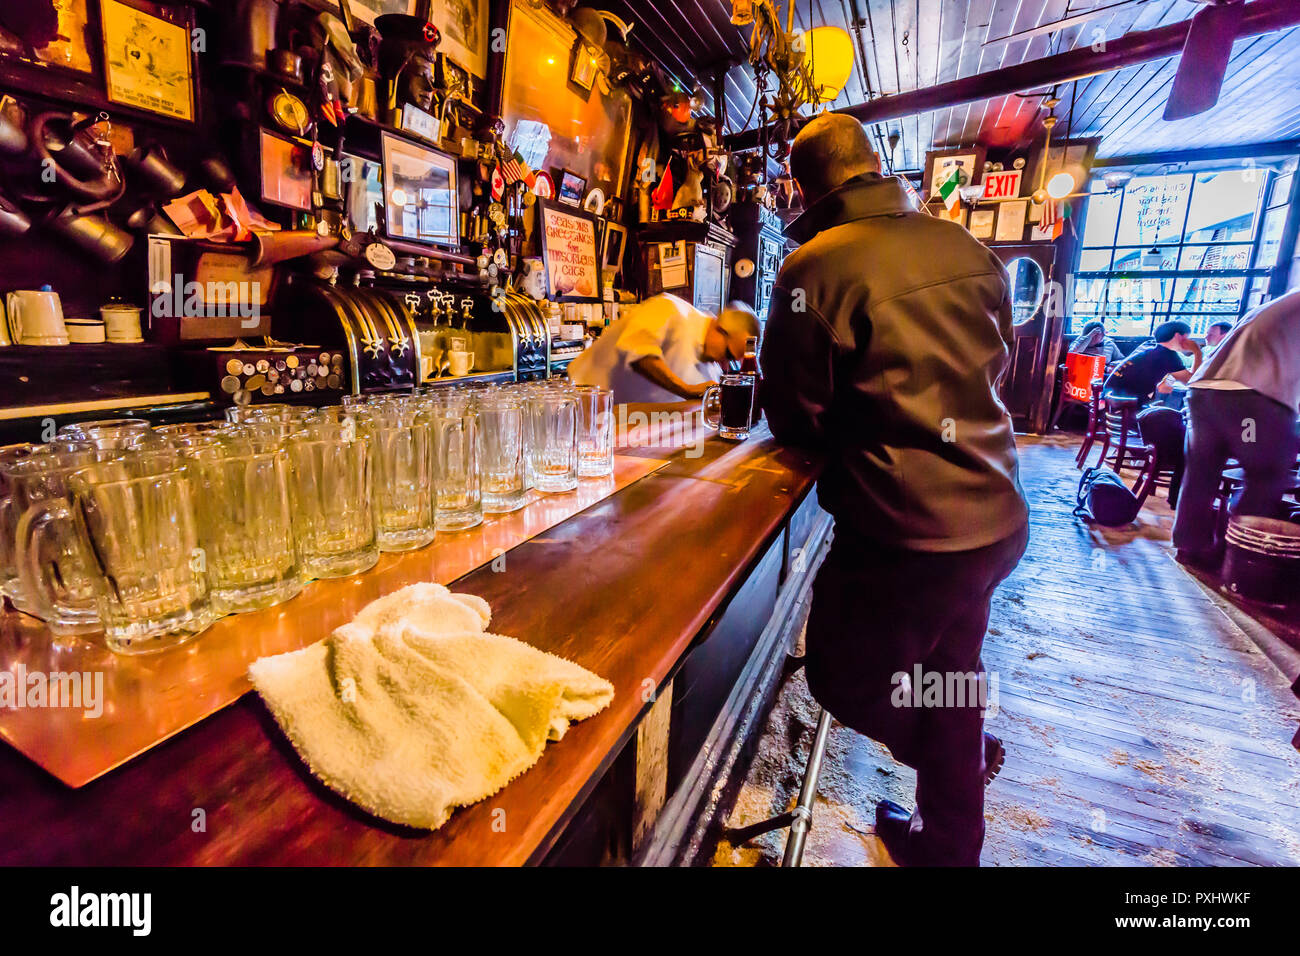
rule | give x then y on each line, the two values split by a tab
1003	185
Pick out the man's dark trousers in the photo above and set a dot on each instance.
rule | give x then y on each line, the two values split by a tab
1233	423
880	612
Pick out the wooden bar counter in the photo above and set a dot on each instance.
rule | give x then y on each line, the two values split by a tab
625	588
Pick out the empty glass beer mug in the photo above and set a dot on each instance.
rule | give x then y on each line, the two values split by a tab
112	435
331	487
245	520
553	455
454	444
399	435
37	496
595	431
138	529
9	521
501	454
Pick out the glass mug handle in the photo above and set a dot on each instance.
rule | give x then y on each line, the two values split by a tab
37	576
711	406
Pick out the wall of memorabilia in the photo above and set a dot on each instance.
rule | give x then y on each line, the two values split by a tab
182	179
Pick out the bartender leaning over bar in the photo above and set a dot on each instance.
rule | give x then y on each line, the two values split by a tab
665	350
886	338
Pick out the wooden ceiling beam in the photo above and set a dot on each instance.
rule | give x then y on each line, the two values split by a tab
1259	17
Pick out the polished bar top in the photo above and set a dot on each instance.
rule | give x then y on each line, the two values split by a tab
154	696
622	588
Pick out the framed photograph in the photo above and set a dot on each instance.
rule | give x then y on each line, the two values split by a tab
981	223
148	58
464	28
940	163
453	77
585	66
286	172
1011	221
371	10
421	194
571	187
614	243
70	41
570	252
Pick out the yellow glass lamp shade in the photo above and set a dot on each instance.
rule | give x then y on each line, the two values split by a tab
828	52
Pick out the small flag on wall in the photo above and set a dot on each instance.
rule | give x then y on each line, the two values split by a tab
1051	218
948	189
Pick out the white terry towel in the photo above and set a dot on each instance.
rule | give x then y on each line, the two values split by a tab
413	709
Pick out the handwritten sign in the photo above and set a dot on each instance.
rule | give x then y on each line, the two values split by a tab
569	250
1003	185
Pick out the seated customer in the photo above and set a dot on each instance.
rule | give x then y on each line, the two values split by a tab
1093	340
1216	333
1138	377
1242	404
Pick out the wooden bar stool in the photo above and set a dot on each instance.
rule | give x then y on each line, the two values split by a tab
1124	447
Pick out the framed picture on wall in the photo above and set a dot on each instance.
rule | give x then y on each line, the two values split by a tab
615	242
464	28
940	163
371	10
981	223
582	73
67	44
149	57
286	172
570	252
571	187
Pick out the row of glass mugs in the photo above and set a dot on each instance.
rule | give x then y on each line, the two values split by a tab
100	528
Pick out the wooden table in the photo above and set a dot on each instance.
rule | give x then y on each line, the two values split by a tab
622	588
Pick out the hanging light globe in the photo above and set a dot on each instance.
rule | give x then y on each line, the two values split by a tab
828	54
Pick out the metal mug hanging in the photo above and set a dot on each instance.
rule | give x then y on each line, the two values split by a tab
92	234
153	172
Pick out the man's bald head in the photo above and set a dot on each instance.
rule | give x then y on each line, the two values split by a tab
830	150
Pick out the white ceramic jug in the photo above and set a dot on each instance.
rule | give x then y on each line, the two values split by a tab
36	317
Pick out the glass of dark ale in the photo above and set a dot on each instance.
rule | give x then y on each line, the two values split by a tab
729	405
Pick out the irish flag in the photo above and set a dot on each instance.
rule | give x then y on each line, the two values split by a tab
948	188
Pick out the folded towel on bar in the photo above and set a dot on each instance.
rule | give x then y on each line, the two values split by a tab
412	709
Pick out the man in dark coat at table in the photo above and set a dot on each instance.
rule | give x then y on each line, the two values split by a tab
888	332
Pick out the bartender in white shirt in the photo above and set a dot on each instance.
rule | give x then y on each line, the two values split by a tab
665	350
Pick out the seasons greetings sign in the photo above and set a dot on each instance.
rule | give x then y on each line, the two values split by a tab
569	244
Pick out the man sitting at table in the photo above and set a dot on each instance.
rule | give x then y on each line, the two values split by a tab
1142	374
887	335
665	350
1093	340
1215	334
1242	404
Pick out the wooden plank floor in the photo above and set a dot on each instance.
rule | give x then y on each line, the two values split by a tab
1143	727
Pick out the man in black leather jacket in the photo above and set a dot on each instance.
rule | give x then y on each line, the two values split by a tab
887	335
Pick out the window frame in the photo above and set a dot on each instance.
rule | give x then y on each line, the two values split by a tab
1166	310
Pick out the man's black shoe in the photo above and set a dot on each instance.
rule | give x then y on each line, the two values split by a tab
995	755
892	826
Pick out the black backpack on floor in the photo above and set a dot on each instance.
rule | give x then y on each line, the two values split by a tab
1104	498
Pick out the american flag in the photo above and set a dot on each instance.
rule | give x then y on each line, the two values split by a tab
513	168
1051	217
